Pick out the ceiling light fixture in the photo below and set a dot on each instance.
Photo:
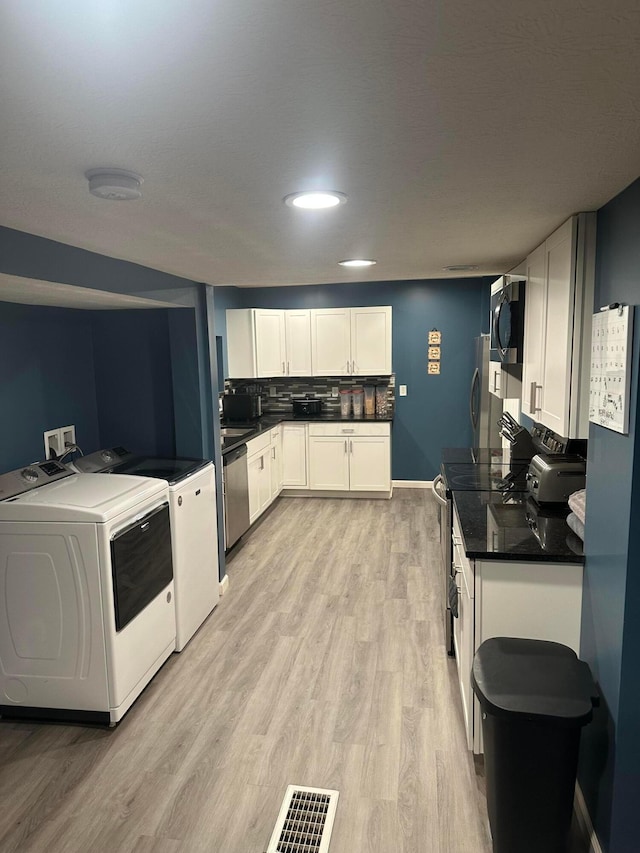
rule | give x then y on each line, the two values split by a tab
461	268
316	200
357	262
114	184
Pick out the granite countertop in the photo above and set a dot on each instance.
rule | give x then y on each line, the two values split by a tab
271	419
515	529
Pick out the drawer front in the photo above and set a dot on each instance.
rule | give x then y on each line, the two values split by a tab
258	444
350	428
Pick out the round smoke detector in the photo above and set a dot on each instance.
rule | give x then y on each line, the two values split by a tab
114	184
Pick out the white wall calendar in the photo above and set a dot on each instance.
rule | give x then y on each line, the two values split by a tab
611	350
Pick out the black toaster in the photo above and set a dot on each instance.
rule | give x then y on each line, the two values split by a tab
306	407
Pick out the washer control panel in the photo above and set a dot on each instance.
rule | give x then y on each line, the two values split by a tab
16	483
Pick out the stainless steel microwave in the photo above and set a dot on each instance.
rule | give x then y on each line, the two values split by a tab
507	320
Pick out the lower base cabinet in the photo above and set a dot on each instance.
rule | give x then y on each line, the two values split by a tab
294	456
259	475
505	598
353	457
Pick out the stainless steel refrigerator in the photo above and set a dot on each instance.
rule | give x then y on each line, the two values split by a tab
484	408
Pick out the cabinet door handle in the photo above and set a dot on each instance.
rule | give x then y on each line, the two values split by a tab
262	463
283	370
496	383
273	453
288	368
351	447
353	366
345	445
533	397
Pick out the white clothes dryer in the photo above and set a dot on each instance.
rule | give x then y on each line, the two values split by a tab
194	536
87	617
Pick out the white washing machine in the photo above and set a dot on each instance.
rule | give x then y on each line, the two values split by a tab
87	616
194	537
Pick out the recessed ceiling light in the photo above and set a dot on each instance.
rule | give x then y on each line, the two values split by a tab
357	262
114	184
317	200
461	268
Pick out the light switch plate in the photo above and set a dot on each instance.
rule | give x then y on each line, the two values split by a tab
272	390
334	392
403	390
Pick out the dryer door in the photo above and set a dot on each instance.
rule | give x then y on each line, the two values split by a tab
141	564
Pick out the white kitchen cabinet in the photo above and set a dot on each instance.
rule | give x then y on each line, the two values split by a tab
331	341
557	339
294	456
503	383
298	342
350	456
276	461
266	343
329	463
255	343
351	341
259	471
526	599
463	640
371	341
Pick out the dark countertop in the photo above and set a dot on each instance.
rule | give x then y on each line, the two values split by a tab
517	529
271	419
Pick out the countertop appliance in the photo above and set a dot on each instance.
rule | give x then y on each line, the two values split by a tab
484	408
507	320
192	510
235	481
240	408
88	617
306	406
551	478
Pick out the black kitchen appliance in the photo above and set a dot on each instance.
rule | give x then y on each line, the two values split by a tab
241	408
307	407
507	320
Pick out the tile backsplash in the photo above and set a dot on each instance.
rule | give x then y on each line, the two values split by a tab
277	394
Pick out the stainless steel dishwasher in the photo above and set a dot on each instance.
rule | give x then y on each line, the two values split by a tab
235	482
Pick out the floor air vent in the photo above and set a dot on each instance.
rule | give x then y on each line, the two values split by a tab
305	821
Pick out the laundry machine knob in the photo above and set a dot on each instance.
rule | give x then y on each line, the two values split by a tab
30	475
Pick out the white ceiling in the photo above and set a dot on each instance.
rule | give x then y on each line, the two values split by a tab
462	132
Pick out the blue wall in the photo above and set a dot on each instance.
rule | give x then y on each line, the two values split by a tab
610	756
435	413
46	379
133	381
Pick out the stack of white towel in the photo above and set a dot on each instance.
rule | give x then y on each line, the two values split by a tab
575	519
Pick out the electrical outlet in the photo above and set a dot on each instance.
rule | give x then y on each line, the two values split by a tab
403	390
58	440
272	391
68	436
52	442
334	392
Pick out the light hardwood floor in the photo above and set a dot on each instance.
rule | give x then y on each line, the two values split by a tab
323	665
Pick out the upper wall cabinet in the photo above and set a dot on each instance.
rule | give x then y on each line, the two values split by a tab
557	336
351	341
263	343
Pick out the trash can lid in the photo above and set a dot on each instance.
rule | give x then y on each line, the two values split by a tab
536	679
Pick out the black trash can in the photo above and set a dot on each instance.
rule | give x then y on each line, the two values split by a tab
535	697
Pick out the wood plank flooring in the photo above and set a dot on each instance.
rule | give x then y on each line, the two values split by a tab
323	665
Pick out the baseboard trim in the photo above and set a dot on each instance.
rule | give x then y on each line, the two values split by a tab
224	585
412	484
328	493
584	822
